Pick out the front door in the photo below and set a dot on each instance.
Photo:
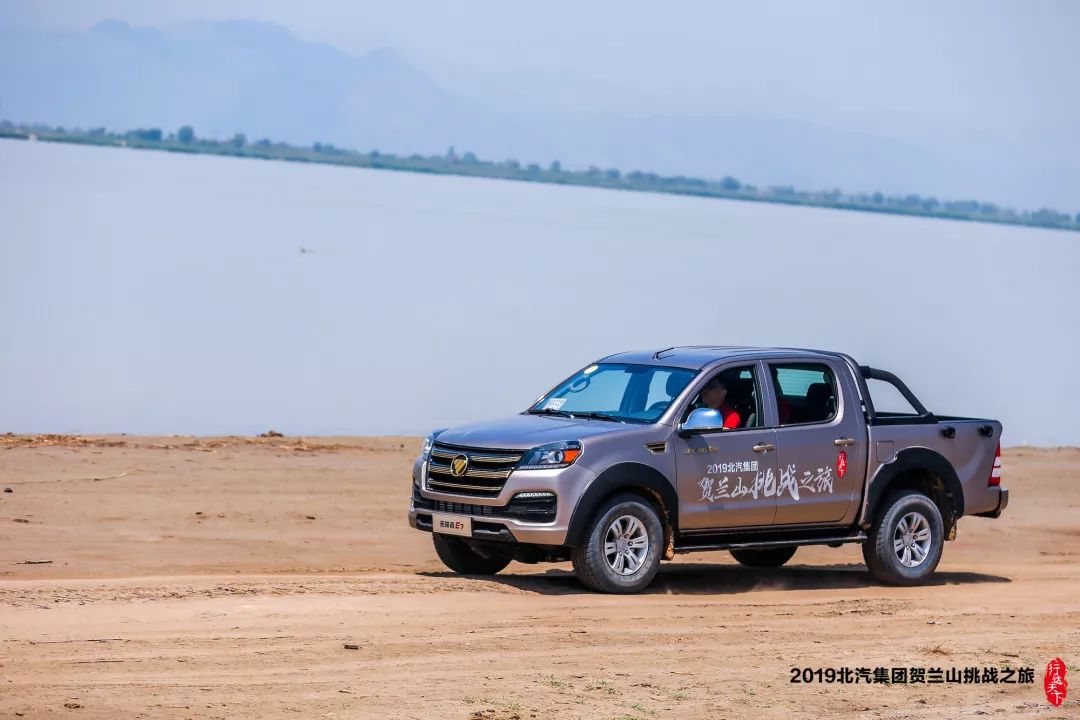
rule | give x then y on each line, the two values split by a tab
727	478
820	440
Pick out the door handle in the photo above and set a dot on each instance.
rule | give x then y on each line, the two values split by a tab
842	441
764	447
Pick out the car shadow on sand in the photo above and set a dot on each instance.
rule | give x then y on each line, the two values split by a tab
725	579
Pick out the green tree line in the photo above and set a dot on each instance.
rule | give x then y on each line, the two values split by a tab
451	162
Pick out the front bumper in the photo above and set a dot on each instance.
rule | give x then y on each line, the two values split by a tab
493	517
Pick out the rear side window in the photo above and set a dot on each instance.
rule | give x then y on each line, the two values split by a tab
805	393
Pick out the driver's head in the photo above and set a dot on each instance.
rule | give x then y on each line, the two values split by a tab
715	392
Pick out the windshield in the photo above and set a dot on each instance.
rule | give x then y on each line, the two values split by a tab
616	391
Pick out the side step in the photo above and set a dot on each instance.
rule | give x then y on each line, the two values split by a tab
735	543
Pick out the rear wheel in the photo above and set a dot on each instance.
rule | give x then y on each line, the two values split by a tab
906	540
622	547
764	557
457	555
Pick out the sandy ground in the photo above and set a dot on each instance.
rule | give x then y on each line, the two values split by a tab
226	578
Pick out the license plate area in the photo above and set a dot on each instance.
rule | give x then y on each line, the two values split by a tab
451	525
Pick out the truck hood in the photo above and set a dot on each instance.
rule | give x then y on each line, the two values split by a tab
522	432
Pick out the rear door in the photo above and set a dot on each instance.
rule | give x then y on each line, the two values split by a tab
820	441
728	478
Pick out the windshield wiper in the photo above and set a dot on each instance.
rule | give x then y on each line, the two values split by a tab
598	416
550	411
589	415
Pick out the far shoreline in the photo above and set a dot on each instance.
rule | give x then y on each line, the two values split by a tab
271	438
470	166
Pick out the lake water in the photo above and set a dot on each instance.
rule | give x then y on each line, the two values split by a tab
147	292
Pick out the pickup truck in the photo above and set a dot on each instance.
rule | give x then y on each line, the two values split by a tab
642	455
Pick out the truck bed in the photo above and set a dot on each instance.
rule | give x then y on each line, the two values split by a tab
968	444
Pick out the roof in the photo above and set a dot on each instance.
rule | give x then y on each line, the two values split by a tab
695	357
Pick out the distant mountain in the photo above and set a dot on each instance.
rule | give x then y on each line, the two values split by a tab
259	79
227	77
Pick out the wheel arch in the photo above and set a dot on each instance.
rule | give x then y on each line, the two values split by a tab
919	469
632	477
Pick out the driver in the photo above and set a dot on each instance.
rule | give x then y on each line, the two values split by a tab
714	394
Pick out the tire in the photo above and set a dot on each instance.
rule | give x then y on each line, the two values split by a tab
627	561
764	557
457	555
900	558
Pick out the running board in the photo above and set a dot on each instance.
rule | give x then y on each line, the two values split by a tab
786	542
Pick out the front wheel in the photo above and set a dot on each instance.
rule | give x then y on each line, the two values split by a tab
622	547
764	557
459	557
905	541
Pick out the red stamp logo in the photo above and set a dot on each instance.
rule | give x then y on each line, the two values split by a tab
1054	683
841	463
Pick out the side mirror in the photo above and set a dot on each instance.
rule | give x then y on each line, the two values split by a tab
702	420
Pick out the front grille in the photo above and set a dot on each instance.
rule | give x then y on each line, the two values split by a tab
486	473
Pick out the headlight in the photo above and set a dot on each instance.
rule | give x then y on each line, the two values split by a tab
550	457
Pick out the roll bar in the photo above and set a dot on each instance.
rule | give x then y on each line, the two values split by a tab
869	373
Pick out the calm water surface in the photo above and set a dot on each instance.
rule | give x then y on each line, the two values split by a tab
148	292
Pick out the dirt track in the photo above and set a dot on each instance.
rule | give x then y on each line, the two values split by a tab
224	578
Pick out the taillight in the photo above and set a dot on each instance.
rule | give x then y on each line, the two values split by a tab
995	474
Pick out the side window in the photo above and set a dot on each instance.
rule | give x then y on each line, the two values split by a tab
805	393
733	391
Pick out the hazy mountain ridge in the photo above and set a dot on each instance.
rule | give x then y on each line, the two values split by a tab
260	79
238	76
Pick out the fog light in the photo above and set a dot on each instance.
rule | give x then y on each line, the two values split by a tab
533	496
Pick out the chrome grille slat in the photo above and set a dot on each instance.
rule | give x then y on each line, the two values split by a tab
475	457
494	458
435	484
471	472
483	480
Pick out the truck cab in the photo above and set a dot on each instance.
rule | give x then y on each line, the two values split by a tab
641	455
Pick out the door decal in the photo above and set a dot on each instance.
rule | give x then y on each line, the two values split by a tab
841	463
716	488
764	483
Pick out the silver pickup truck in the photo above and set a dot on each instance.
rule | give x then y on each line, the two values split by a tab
641	455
